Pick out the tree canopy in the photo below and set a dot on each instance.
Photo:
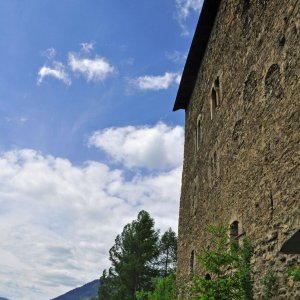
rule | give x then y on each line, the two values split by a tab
134	260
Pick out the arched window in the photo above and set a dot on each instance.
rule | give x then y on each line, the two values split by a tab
215	97
234	231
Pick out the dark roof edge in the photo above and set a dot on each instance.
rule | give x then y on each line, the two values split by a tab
197	50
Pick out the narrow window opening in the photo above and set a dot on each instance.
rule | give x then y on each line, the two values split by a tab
234	231
198	133
215	97
213	102
217	89
217	83
192	262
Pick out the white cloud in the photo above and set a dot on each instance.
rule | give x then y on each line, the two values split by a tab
58	220
184	8
57	71
178	78
97	69
159	147
154	82
87	47
93	69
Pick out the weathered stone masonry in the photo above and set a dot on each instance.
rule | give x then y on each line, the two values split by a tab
242	135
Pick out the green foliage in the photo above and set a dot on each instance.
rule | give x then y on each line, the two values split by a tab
227	269
269	282
164	289
294	272
108	286
168	251
244	269
133	257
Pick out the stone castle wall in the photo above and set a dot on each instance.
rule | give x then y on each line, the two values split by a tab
245	167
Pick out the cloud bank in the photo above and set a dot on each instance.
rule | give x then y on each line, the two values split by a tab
58	220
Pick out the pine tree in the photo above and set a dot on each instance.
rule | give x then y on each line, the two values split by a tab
108	286
168	249
133	258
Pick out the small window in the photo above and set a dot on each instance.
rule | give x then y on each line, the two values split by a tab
192	262
217	89
215	97
213	102
234	231
217	83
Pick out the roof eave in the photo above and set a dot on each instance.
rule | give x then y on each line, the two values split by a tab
197	50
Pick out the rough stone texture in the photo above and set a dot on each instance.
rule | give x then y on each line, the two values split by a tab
247	165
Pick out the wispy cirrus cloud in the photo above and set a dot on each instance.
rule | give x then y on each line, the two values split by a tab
184	8
16	119
57	71
49	53
160	82
87	47
93	69
176	57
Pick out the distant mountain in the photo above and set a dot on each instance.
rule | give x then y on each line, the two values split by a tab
85	292
1	298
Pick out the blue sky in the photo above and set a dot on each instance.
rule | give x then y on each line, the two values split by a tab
88	136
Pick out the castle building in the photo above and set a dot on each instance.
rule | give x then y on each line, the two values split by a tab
241	94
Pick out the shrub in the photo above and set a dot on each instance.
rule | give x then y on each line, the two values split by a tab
227	269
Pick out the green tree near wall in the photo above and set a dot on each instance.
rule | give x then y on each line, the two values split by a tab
165	283
226	269
164	289
167	253
134	258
